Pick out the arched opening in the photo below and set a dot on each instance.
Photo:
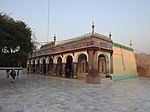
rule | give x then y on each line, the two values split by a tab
69	67
102	65
82	66
44	66
82	63
50	68
59	67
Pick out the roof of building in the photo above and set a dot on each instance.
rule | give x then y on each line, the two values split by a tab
49	47
82	37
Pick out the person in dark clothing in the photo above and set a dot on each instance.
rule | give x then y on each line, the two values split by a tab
13	75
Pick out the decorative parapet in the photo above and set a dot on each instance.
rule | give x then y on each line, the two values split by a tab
74	39
102	36
122	46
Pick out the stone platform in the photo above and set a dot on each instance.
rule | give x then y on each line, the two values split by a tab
40	93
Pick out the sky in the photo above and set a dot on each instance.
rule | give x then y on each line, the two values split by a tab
125	19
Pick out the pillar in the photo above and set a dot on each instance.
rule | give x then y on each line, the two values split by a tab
75	70
36	68
46	69
47	63
111	63
63	69
27	68
41	68
54	69
30	68
93	76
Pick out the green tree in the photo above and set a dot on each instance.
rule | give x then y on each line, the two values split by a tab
15	41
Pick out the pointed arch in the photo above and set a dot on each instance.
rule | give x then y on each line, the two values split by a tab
44	66
51	65
59	67
82	64
103	65
69	67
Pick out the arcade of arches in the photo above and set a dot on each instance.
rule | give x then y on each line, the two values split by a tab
72	65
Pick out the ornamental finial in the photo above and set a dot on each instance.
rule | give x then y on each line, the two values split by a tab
130	44
93	28
110	35
54	37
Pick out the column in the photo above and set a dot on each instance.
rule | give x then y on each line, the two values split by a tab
75	70
36	68
93	76
54	69
46	69
47	63
27	68
63	69
111	63
31	66
41	68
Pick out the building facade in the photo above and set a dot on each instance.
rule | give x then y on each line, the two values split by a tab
89	57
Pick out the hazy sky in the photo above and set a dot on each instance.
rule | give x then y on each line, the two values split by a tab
126	19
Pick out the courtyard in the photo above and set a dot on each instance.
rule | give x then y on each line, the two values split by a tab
41	93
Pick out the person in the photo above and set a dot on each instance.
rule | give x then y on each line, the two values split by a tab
13	75
7	73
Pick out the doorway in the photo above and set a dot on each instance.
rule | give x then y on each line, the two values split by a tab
102	66
59	67
69	67
44	66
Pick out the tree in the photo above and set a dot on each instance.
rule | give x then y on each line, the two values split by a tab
15	41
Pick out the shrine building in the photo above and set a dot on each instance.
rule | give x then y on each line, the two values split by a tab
89	57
